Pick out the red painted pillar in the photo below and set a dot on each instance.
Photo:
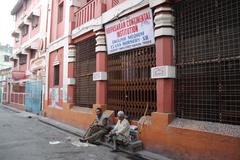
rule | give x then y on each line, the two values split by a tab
164	33
101	85
100	8
9	91
71	79
165	86
100	76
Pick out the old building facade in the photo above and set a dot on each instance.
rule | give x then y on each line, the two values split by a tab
30	35
5	71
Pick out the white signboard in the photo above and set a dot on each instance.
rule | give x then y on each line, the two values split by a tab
133	31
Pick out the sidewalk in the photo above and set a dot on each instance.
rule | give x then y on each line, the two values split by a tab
144	154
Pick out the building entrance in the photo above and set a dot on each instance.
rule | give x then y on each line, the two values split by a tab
130	87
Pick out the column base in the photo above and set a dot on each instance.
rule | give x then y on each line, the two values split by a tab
68	105
160	120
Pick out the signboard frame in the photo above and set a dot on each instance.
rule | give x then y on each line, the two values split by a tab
130	32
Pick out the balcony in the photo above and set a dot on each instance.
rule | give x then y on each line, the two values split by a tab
18	74
91	10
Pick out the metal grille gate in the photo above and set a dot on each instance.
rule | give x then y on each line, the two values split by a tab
130	87
85	90
33	97
208	60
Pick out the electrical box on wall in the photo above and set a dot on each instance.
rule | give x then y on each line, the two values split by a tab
163	72
99	76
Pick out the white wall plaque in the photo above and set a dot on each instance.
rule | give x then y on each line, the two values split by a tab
99	76
71	81
163	72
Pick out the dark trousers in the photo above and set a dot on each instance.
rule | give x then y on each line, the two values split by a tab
95	133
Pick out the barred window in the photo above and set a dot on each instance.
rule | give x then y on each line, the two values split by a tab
24	30
56	75
6	58
35	21
33	54
15	63
22	59
208	60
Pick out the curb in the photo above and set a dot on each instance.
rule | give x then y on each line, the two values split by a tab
62	126
11	108
23	113
150	155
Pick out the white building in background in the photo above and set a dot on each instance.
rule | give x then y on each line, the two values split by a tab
5	53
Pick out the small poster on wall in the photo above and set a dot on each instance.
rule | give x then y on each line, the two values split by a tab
133	31
54	97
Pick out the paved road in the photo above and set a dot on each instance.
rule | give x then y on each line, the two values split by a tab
23	138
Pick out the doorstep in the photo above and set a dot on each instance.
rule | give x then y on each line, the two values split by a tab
144	154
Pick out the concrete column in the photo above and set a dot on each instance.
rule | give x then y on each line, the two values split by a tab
28	53
100	76
164	72
9	91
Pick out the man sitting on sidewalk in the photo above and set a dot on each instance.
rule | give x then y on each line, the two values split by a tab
120	134
98	129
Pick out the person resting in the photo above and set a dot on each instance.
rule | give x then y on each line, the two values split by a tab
120	134
98	129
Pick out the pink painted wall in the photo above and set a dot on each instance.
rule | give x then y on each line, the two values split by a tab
17	22
84	14
15	68
23	67
55	55
72	21
31	4
57	29
109	3
25	38
60	29
70	87
34	31
19	16
53	25
89	11
71	70
16	75
17	44
26	10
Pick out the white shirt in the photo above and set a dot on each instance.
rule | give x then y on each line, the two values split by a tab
122	128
